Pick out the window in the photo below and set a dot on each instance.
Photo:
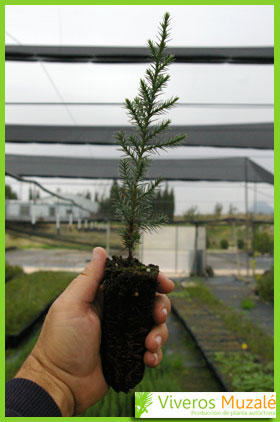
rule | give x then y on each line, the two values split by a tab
52	212
24	210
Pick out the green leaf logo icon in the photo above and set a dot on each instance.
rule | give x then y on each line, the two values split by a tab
142	401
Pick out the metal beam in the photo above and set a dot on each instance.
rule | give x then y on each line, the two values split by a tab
76	54
206	169
250	135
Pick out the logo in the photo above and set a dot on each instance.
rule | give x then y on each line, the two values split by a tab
205	405
142	402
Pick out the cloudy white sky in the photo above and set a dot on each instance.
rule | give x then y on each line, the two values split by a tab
133	25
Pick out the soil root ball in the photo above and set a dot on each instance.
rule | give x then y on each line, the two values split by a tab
129	289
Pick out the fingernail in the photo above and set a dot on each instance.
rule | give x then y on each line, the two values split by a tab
171	281
155	356
95	253
158	339
164	311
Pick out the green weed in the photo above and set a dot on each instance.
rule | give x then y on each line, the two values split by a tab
245	372
247	304
259	342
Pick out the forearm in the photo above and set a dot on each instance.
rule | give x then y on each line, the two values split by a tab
34	370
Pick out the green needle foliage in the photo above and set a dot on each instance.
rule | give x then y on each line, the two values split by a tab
133	200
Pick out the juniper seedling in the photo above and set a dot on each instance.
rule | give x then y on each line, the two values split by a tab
133	199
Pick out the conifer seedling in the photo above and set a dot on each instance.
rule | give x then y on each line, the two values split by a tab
129	287
133	201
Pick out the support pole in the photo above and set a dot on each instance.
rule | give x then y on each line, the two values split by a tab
195	250
70	221
176	248
108	233
246	217
34	193
206	231
79	223
57	221
235	242
20	191
33	217
255	199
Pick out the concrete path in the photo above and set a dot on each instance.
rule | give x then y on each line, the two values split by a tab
48	259
226	260
232	292
223	263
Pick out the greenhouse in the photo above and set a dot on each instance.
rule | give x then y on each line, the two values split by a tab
100	153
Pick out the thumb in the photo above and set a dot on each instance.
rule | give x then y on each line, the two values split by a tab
84	287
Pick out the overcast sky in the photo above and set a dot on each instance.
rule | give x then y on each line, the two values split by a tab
133	25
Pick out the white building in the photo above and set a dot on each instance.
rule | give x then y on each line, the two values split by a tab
49	209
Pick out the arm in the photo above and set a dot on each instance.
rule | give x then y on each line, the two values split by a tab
65	361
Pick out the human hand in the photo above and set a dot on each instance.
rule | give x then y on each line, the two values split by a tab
66	359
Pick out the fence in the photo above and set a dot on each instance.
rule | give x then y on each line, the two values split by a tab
189	247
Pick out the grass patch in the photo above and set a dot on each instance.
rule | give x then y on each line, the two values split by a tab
180	293
247	304
16	357
28	294
202	293
12	271
93	238
164	378
22	241
259	342
244	372
265	285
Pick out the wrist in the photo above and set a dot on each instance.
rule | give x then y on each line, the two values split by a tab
35	370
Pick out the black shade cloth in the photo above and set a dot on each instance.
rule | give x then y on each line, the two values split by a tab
237	169
253	135
79	54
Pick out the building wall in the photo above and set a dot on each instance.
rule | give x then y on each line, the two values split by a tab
172	248
26	211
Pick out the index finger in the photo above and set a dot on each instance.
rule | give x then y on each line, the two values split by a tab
165	285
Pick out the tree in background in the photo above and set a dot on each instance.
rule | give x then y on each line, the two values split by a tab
33	195
164	202
96	197
106	209
9	193
192	213
218	209
263	242
232	209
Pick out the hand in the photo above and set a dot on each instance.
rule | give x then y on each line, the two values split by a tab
66	359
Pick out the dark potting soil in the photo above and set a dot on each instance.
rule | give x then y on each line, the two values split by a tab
129	289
